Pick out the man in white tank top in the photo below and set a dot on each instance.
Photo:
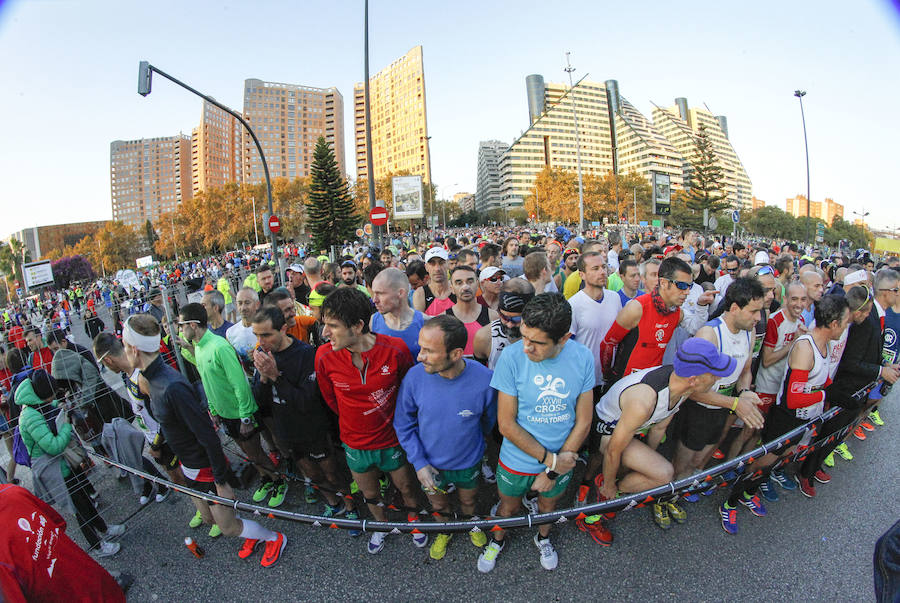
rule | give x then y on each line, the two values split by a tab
705	413
647	399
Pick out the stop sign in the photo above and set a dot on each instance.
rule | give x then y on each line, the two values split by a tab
274	224
378	216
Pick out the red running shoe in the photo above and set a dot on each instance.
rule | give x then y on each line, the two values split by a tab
859	433
273	550
822	477
806	487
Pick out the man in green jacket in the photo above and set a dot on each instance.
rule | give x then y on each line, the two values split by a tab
229	397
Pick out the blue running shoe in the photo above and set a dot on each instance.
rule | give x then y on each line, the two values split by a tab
729	518
768	491
754	504
709	491
691	498
784	481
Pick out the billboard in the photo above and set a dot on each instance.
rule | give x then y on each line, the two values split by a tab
407	191
662	194
37	273
145	261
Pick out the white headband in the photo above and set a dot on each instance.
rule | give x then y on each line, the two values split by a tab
145	343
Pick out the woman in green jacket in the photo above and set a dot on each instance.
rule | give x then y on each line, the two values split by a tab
46	433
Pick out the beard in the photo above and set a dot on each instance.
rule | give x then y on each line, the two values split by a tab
511	332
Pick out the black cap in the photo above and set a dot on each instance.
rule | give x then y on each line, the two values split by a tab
44	385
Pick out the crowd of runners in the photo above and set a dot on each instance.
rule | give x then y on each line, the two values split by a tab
437	374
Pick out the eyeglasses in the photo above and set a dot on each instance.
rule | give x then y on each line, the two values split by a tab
765	270
683	286
181	323
731	269
452	256
894	290
513	319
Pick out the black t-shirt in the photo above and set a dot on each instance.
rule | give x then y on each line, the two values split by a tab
302	294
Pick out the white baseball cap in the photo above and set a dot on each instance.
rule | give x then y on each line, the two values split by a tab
436	252
761	258
858	276
295	268
491	271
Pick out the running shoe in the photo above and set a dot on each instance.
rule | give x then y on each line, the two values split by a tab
264	491
859	433
598	483
196	521
162	497
806	487
376	542
844	451
113	530
143	500
310	494
334	510
354	487
596	529
277	498
488	557
783	480
676	512
754	504
549	558
581	495
876	418
275	458
661	516
822	477
867	426
353	514
531	504
710	491
478	538
768	491
247	549
273	550
439	546
215	531
829	460
383	484
729	518
107	549
488	473
494	508
420	540
718	455
692	497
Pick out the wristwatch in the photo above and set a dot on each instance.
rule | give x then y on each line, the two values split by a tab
245	420
551	474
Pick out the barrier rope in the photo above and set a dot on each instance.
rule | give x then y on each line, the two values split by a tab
695	483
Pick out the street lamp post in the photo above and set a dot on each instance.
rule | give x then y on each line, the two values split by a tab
370	167
800	94
430	191
145	75
255	231
569	69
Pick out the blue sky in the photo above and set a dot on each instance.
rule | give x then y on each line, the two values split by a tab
69	73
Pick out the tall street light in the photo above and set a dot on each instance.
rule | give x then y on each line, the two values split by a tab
145	75
569	69
800	94
370	168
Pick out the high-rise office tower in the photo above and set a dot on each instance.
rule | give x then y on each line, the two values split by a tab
288	119
215	149
680	124
399	126
149	177
487	191
611	131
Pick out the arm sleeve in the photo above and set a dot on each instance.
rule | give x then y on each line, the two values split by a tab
182	400
227	357
324	382
796	396
406	424
614	337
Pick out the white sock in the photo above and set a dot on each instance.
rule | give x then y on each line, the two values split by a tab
255	531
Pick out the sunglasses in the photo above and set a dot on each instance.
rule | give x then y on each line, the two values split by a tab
494	279
683	286
452	256
731	270
765	270
513	319
894	290
181	323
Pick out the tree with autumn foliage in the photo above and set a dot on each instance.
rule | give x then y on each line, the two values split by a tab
554	196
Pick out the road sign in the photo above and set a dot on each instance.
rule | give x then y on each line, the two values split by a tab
274	224
735	216
378	216
359	233
367	229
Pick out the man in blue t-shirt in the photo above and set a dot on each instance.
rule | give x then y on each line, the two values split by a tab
445	406
545	386
390	294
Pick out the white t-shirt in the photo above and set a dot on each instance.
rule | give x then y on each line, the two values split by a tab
242	339
721	285
780	332
590	322
612	261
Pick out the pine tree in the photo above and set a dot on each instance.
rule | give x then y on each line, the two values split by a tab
706	190
332	218
150	235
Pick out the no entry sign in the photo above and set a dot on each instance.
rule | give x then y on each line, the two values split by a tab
378	216
274	224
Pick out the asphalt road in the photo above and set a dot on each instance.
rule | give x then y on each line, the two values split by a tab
806	549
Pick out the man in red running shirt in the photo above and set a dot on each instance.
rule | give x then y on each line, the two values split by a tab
359	373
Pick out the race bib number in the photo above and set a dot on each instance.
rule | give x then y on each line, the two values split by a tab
811	412
727	390
757	344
